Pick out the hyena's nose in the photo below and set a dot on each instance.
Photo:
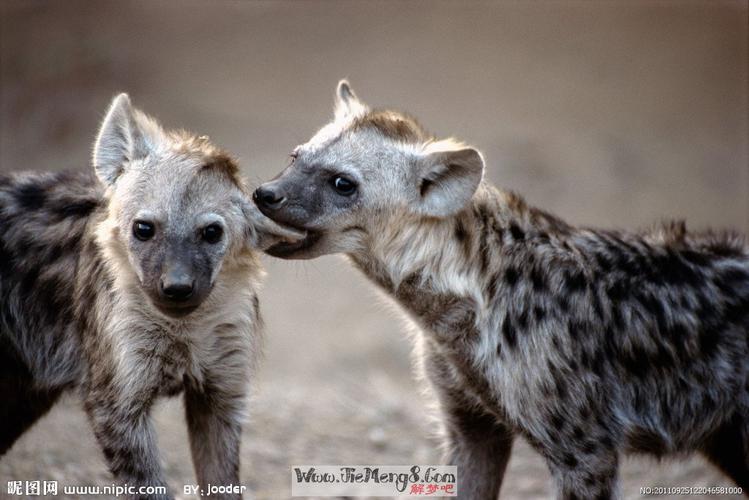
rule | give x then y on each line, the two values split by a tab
176	290
268	198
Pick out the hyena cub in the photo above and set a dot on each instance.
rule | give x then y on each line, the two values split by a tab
586	343
139	284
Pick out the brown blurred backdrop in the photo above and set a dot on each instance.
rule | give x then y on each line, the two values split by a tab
615	113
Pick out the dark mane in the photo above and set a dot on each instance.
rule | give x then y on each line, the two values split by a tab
393	125
724	243
222	162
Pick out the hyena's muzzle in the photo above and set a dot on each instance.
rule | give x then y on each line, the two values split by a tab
293	200
179	279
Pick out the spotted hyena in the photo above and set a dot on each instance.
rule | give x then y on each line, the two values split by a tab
587	343
137	284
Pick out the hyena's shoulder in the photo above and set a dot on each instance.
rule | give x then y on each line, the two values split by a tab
43	233
43	220
45	212
48	198
58	194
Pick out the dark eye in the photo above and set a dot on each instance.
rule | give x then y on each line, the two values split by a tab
293	157
343	186
212	234
143	230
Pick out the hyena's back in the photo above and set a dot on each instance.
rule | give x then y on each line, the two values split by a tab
660	319
43	219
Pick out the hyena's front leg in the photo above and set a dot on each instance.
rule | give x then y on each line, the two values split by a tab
728	449
479	444
215	410
215	429
122	425
480	447
592	473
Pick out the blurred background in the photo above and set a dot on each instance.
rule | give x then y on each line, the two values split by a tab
610	113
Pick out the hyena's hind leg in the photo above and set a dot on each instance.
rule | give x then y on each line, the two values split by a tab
20	409
21	405
728	449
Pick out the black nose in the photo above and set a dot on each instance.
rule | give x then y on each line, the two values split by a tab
267	197
178	291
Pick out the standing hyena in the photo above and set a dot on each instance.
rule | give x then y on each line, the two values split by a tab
136	285
586	343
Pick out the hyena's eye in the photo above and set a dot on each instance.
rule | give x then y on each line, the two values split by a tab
212	234
143	230
343	186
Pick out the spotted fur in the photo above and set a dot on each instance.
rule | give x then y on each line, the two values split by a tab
586	343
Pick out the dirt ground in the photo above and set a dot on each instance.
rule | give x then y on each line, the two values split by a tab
614	113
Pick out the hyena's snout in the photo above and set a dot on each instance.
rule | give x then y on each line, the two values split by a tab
180	284
287	200
269	197
176	285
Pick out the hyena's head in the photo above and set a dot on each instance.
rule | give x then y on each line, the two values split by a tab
177	210
365	171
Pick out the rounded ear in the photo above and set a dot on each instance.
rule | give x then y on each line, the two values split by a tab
346	101
262	232
125	134
449	174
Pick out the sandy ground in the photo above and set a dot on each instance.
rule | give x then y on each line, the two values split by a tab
607	113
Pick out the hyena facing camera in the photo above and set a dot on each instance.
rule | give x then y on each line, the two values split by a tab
139	284
586	343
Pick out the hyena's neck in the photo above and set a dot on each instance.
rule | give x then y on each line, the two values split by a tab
426	264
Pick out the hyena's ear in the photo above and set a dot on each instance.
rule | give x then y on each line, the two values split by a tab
125	135
346	102
262	233
449	173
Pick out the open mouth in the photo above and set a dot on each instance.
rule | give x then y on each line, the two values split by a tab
286	249
294	239
283	232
